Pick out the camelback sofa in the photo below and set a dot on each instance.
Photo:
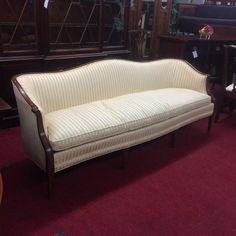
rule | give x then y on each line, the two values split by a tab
72	116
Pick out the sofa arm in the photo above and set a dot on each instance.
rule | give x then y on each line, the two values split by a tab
31	132
186	76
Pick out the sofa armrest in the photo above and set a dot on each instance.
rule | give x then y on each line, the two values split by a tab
186	76
33	127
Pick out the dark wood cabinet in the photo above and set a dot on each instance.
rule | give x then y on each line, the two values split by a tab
35	37
18	26
153	18
221	2
65	26
206	55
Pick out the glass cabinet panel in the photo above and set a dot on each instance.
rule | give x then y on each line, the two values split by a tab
17	24
114	13
89	25
74	23
147	20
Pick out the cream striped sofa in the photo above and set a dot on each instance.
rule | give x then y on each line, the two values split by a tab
69	117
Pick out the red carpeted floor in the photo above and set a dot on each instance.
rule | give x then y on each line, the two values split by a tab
183	191
11	150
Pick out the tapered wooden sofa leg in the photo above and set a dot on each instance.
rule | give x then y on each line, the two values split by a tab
50	184
173	138
210	120
124	157
50	172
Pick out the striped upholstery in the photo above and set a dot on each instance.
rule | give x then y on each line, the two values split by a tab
78	154
109	105
98	120
107	79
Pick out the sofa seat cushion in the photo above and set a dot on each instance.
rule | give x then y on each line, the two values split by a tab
101	119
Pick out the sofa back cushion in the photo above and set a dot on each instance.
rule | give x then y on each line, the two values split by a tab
215	11
102	80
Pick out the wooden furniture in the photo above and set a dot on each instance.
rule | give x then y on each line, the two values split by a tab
138	40
221	2
229	80
205	55
36	37
110	105
186	9
153	17
193	17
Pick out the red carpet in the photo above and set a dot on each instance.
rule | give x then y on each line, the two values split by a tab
11	150
183	191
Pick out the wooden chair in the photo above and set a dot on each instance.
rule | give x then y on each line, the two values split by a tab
138	43
229	80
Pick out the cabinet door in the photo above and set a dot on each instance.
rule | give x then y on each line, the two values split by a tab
18	25
161	24
147	21
152	17
114	22
74	24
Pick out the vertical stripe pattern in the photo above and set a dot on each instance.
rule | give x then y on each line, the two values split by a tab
107	79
